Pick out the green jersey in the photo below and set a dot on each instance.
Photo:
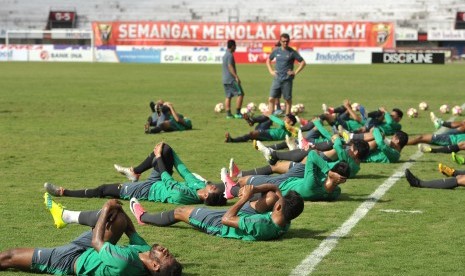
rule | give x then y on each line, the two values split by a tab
258	227
455	139
178	126
312	186
278	133
383	153
389	126
342	154
114	259
169	190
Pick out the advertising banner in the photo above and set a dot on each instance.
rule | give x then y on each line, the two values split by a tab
408	58
303	34
446	35
64	53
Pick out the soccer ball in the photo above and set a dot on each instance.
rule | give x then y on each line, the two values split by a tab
412	112
244	110
251	107
294	109
444	109
263	107
301	107
219	107
457	110
355	106
423	106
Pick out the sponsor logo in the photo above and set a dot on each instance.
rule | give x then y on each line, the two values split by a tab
381	32
105	32
407	58
335	57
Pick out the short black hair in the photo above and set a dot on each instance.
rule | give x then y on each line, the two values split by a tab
403	138
293	205
231	43
215	199
399	112
342	168
292	118
285	35
362	147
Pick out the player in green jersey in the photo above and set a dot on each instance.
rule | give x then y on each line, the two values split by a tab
448	142
265	219
264	131
160	186
319	181
171	121
381	150
94	252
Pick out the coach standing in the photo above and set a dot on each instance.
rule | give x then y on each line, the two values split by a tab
231	82
283	73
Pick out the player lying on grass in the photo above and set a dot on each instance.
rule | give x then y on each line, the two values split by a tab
381	150
318	182
454	127
169	121
387	122
455	178
264	131
265	219
95	251
448	142
343	115
352	153
160	186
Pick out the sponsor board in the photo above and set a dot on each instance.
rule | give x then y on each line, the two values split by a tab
408	58
446	35
139	55
406	34
170	56
263	34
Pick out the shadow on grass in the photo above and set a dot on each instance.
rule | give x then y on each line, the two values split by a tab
359	198
304	233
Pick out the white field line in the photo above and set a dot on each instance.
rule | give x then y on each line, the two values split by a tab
311	261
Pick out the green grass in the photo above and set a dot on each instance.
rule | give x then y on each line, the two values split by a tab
69	123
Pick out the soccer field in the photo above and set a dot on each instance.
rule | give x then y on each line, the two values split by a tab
69	123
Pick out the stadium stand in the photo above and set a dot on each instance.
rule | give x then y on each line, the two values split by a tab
422	15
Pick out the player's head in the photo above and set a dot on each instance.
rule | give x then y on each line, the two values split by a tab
342	168
163	262
215	196
400	138
284	39
292	205
360	148
231	43
292	119
397	114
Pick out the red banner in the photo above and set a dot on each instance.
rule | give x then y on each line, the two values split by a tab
303	34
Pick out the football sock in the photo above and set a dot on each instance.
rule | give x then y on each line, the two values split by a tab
446	183
244	138
293	155
238	111
88	218
357	136
446	149
165	218
324	146
447	124
308	126
458	172
111	190
279	146
235	190
266	170
70	216
145	165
